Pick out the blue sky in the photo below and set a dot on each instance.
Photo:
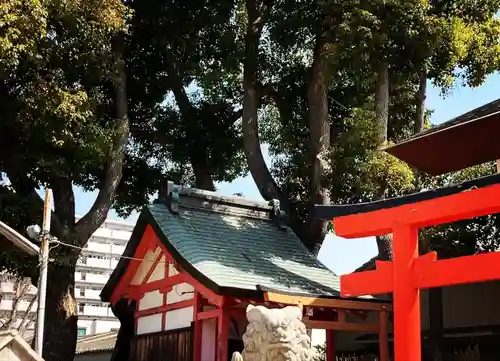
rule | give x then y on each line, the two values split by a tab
342	255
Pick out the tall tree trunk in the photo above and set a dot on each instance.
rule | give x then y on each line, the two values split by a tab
98	213
384	242
420	103
197	156
382	101
27	318
311	236
60	314
251	99
319	140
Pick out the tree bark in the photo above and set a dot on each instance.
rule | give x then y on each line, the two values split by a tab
382	101
420	97
21	286
310	232
27	319
61	311
319	141
197	156
251	99
384	243
98	213
60	315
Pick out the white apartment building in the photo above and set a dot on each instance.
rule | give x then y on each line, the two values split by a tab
97	261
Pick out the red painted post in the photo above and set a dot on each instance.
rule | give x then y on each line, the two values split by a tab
383	337
198	327
222	335
330	346
407	345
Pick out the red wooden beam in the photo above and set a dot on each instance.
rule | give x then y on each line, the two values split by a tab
165	308
206	315
341	326
152	269
468	204
222	336
164	314
198	327
147	243
454	271
428	272
368	283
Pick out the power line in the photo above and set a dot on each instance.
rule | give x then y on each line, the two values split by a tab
115	256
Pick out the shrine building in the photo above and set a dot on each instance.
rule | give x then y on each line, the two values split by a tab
196	260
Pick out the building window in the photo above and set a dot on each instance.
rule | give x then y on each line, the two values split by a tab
82	331
81	307
84	276
82	292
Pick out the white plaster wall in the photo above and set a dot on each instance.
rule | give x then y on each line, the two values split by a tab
180	318
106	326
149	324
159	271
98	326
209	329
143	269
150	300
171	270
180	292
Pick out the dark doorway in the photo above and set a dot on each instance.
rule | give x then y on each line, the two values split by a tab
234	346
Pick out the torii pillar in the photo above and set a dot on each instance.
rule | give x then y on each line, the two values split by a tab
409	273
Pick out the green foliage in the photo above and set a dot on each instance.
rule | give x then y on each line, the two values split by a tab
22	25
320	353
468	236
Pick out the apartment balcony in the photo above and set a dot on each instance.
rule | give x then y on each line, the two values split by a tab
7	304
99	247
95	311
108	233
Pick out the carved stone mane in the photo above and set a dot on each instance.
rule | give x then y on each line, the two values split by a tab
275	335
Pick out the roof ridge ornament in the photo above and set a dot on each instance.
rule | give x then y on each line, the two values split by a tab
278	215
173	197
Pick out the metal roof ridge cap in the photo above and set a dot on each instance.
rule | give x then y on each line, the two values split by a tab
214	197
222	211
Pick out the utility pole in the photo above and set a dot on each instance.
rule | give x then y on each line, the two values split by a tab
42	280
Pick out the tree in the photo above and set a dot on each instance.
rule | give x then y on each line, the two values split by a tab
65	121
15	318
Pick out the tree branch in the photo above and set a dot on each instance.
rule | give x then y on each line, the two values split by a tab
382	101
319	139
251	98
420	102
98	213
25	187
64	200
197	156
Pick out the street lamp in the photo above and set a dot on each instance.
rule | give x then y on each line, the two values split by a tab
35	233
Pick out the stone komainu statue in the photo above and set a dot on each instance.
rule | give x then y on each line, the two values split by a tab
275	335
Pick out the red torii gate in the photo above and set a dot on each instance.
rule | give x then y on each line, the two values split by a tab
404	216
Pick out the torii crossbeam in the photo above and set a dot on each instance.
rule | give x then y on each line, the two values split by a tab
409	272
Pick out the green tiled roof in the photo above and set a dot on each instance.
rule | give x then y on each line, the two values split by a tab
244	252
